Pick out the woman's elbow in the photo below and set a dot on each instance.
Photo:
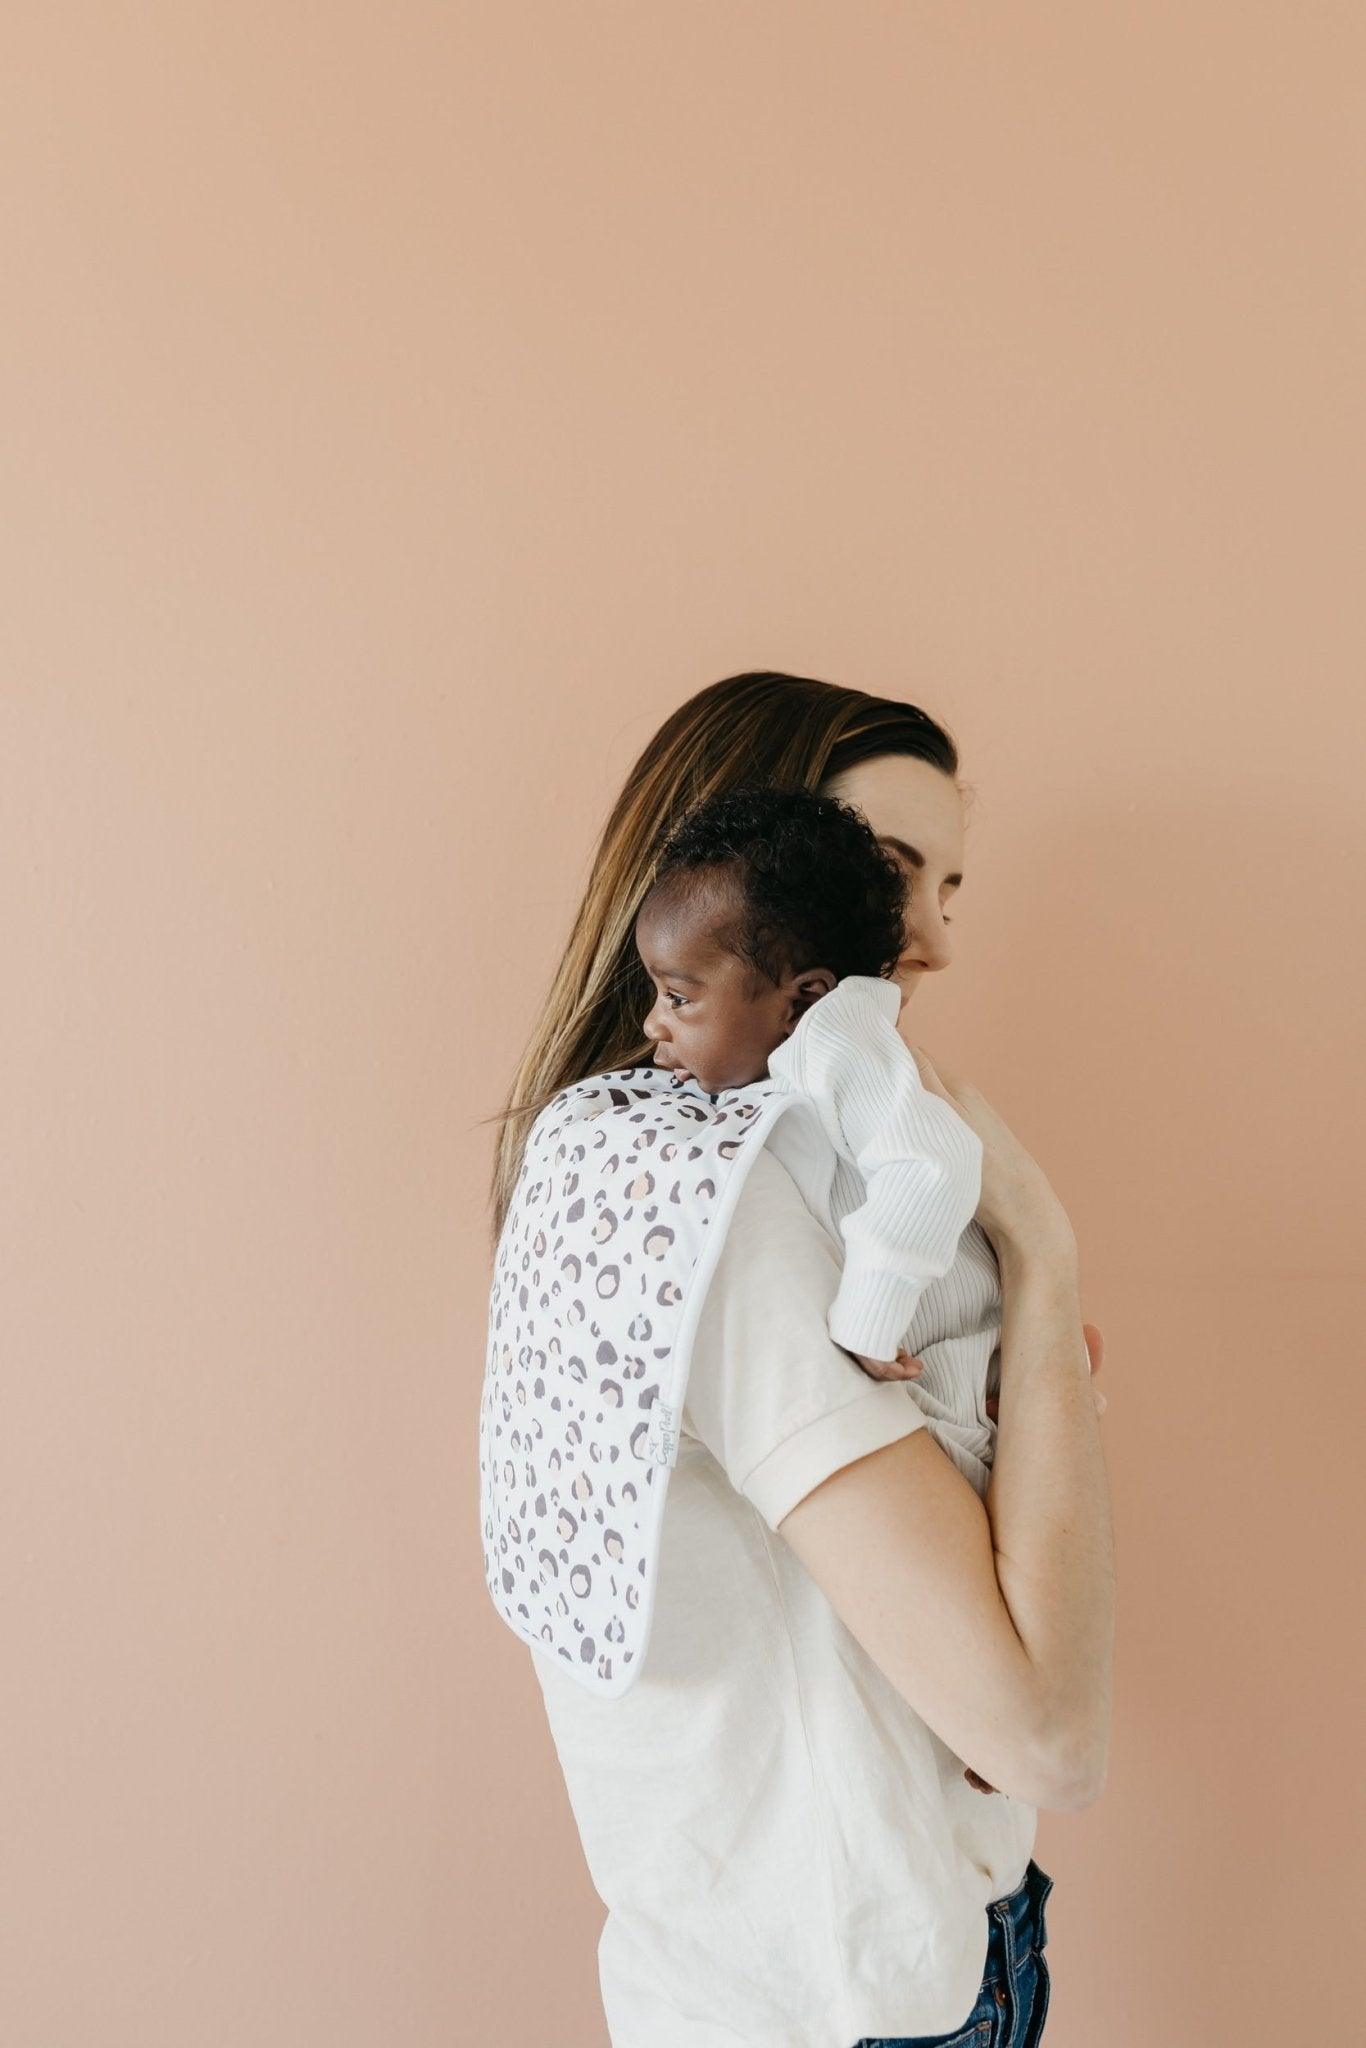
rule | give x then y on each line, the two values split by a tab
1075	1777
1051	1776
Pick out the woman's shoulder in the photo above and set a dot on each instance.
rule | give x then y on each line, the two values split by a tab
771	1208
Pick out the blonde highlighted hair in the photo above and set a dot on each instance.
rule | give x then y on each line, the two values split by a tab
761	725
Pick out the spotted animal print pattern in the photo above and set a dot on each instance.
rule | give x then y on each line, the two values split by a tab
627	1182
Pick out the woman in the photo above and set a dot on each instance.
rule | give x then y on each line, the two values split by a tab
778	1815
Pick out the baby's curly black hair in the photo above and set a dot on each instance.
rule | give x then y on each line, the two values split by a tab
818	888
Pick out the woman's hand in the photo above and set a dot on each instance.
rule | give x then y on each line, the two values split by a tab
1018	1207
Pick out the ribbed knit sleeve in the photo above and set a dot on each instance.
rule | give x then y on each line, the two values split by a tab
920	1161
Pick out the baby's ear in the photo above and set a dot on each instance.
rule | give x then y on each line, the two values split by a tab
808	987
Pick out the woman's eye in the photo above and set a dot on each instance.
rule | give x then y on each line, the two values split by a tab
911	893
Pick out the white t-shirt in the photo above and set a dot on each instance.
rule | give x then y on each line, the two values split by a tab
789	1856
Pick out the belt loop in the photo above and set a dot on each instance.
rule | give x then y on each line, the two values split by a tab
1009	2004
1040	1885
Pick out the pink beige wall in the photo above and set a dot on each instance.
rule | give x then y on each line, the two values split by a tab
404	408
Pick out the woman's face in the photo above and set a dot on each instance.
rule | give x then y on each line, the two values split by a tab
917	812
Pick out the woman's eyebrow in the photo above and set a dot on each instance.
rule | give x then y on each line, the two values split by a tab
916	857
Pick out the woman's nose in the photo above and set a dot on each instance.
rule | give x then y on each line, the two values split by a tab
927	941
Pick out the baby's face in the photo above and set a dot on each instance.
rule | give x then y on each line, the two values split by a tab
714	1017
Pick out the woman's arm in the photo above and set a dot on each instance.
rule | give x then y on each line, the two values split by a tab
1048	1502
1048	1497
903	1548
994	1620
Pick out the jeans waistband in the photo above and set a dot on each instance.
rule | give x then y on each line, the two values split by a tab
1017	1922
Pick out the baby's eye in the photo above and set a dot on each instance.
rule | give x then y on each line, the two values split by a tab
676	999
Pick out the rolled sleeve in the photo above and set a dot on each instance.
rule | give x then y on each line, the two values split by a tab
797	1466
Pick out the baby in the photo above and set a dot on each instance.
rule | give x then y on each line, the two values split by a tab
773	920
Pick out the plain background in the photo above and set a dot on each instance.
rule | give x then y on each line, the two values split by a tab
405	407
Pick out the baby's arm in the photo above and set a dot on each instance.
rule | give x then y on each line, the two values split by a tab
921	1162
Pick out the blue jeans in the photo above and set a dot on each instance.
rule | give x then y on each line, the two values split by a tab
1013	2000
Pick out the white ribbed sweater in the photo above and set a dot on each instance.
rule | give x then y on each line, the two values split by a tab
919	1273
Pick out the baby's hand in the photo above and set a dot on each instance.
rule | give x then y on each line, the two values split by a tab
902	1367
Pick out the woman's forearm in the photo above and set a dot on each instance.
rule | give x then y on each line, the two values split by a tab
1048	1503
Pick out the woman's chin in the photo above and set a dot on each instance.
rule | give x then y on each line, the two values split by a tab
905	1023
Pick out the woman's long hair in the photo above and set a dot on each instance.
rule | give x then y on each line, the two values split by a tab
759	726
